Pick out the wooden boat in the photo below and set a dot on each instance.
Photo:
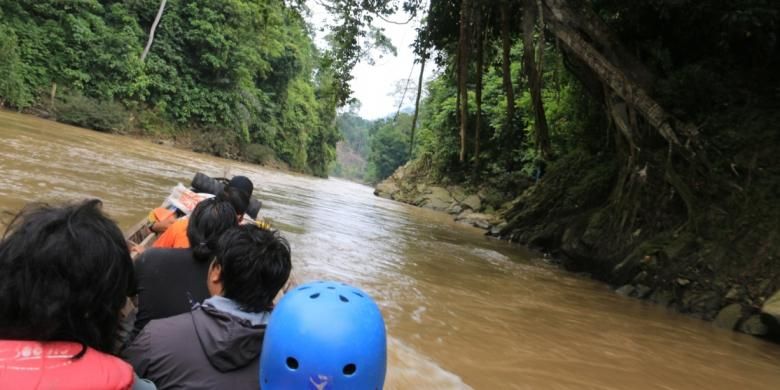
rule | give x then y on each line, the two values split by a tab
140	236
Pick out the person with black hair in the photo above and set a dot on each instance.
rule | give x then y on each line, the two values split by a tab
238	192
217	345
237	198
64	277
171	281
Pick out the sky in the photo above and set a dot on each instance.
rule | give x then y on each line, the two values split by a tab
375	85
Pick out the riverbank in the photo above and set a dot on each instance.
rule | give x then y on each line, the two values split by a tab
147	126
199	142
723	265
482	207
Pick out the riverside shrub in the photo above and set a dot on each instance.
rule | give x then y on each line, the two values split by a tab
93	114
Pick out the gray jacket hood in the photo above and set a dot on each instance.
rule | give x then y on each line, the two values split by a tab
228	342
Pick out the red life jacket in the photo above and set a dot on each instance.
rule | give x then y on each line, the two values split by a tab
36	365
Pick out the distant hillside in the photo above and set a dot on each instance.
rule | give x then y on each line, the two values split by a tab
371	150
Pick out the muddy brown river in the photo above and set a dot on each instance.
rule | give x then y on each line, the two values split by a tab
462	311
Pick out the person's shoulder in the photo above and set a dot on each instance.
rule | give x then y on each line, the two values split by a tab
93	370
155	254
180	224
163	330
164	336
170	322
168	237
52	363
154	260
110	371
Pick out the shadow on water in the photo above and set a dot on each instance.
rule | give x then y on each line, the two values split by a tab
462	311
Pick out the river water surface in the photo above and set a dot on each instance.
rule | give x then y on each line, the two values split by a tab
462	311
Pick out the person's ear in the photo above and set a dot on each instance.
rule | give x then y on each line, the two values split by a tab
214	278
215	272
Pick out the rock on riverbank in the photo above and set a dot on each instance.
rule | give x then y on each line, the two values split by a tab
482	208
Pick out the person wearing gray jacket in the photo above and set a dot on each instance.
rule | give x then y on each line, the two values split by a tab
217	345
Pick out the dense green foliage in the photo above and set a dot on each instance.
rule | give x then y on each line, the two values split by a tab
654	121
12	87
700	61
247	67
502	150
95	114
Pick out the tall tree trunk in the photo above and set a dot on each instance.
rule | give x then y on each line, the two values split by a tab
417	105
403	95
534	79
480	68
52	96
584	19
154	28
506	70
540	45
586	37
462	75
619	71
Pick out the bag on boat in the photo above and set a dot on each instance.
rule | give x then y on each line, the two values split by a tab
185	199
205	184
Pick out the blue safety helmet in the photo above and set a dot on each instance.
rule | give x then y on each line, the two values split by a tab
324	335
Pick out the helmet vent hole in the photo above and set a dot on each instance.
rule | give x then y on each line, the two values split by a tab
343	298
314	296
358	294
331	288
292	363
349	369
304	288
